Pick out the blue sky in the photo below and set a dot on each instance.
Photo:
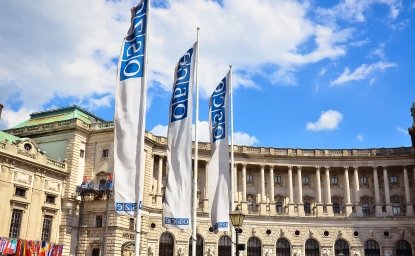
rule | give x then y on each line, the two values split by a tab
307	74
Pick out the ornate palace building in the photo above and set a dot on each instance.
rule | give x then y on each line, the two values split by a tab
56	167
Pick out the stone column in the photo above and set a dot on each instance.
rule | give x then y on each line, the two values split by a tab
159	195
409	206
235	184
263	203
271	190
206	195
387	195
319	202
300	204
291	193
377	195
244	202
358	206
329	205
349	209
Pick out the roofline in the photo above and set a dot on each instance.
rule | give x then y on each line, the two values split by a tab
54	110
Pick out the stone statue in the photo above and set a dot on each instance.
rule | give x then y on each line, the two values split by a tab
180	252
210	251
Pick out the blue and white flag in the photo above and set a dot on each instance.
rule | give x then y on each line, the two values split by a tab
129	118
177	205
218	168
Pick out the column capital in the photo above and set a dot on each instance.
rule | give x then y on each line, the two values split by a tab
271	167
327	167
346	167
317	168
262	166
385	168
299	168
290	167
356	168
244	164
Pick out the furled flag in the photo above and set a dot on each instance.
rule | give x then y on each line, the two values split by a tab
129	119
219	179
177	205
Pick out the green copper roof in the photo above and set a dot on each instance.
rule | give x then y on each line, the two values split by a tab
8	137
61	114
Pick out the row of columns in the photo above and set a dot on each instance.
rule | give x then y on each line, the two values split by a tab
299	203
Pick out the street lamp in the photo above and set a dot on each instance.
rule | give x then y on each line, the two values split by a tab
237	218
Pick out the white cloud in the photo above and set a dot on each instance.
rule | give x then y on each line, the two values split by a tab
402	130
73	44
245	139
10	118
364	71
360	137
329	120
355	10
241	138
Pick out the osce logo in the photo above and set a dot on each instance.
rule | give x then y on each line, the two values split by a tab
127	207
218	113
179	100
176	221
221	225
132	59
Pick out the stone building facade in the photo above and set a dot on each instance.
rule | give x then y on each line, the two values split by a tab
31	189
296	201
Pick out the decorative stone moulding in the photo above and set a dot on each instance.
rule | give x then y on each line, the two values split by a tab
52	186
23	178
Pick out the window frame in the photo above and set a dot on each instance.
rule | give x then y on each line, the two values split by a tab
47	228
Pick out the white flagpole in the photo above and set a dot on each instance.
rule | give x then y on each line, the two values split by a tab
195	203
232	157
196	159
142	155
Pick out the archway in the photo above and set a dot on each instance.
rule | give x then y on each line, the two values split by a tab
283	247
254	247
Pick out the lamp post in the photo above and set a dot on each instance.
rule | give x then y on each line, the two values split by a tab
237	218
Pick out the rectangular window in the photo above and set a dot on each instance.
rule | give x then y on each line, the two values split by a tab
394	180
307	208
82	153
336	208
132	224
306	180
105	153
363	181
334	180
250	178
50	199
366	209
15	223
47	227
20	192
396	209
278	207
98	221
277	179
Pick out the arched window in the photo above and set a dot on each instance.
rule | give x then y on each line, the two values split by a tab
224	246
403	248
372	248
166	246
341	247
199	246
283	247
254	247
95	252
312	248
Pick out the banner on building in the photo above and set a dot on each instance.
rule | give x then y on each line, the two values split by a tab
219	179
129	119
177	205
